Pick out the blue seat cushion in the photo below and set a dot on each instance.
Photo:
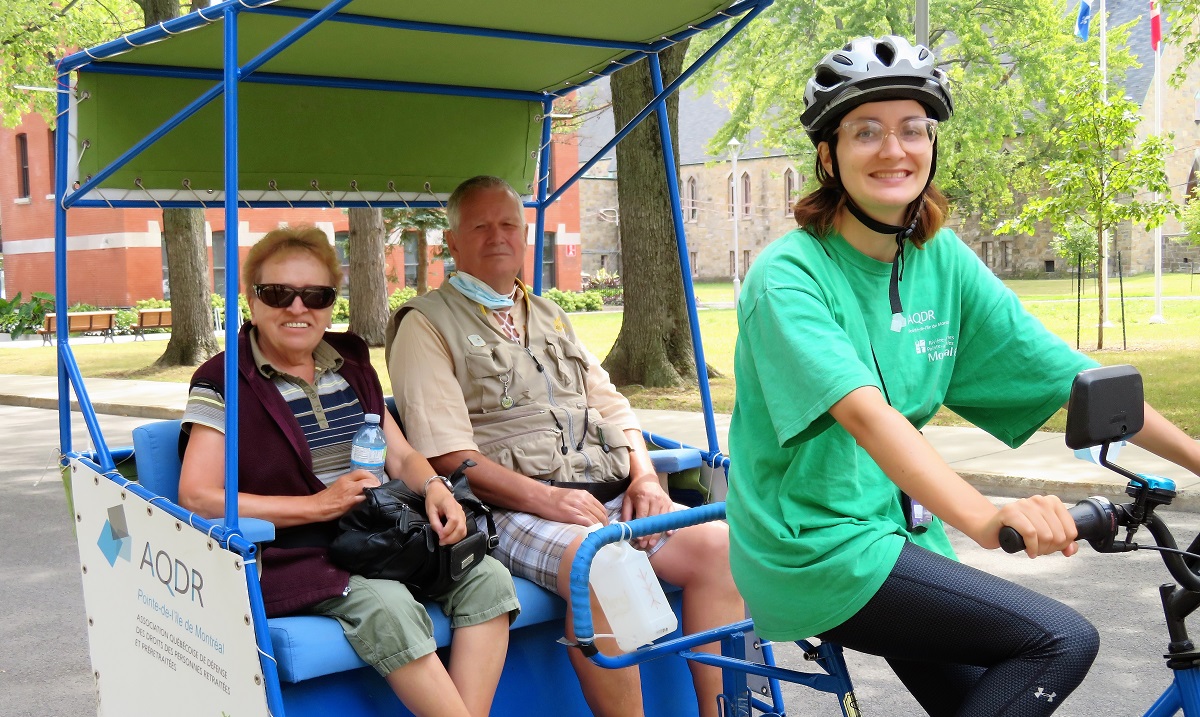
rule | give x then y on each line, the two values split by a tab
308	646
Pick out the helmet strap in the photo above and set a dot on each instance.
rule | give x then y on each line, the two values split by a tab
901	233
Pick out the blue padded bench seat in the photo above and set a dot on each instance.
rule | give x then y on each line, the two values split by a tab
308	646
311	646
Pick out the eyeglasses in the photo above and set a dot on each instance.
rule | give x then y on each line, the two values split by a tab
281	296
915	134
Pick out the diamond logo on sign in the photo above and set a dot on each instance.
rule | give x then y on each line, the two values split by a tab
114	541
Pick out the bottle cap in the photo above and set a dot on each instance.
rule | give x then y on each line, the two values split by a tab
371	418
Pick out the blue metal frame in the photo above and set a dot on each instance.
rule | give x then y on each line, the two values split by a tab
828	656
227	83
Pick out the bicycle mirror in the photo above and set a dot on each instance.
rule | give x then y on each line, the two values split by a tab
1105	406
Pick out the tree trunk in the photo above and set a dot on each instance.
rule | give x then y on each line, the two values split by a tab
368	279
654	346
421	251
192	341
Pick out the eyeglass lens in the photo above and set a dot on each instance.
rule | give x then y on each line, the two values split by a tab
915	132
281	296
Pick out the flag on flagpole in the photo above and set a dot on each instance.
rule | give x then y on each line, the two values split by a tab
1085	17
1155	26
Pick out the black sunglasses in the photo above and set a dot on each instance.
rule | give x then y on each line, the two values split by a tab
281	296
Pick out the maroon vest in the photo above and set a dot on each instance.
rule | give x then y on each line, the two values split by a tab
274	459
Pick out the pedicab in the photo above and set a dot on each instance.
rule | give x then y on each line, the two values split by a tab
345	103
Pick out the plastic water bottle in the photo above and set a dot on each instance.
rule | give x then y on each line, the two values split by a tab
369	447
630	595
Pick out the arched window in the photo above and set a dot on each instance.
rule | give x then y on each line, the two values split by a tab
729	192
690	211
789	191
745	194
1193	180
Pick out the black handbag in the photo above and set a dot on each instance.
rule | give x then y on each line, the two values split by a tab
388	536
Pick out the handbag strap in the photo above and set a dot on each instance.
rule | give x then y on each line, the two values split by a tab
464	494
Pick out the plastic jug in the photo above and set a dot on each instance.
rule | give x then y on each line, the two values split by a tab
630	595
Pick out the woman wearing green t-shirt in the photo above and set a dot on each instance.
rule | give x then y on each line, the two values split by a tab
853	330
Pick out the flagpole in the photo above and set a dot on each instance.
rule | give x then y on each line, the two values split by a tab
1104	320
1156	42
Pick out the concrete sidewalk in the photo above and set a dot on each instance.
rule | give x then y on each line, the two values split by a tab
1042	465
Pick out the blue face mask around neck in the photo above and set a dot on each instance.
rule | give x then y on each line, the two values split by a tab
479	292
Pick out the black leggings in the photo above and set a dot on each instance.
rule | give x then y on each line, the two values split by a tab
968	643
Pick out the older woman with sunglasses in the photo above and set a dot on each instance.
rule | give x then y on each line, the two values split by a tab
303	395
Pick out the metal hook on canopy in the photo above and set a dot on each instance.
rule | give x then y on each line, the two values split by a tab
273	186
138	183
187	184
354	186
393	190
429	190
323	193
204	17
83	148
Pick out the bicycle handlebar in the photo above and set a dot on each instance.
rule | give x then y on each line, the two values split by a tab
1098	521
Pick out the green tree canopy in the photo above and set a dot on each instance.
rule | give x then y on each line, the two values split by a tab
36	33
1006	60
1101	175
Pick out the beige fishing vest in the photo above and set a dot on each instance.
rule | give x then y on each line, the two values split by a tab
528	406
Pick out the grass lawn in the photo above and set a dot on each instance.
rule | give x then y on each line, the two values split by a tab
1166	354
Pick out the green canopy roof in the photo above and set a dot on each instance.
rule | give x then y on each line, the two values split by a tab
363	138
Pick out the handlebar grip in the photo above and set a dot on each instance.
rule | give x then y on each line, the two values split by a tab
1095	519
1011	541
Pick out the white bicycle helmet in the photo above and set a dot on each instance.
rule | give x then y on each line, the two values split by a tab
869	69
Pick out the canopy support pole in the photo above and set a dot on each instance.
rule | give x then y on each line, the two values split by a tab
659	96
543	185
668	153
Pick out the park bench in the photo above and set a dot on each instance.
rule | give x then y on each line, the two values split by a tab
151	319
320	674
81	322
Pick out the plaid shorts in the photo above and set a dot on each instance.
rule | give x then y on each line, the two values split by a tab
532	547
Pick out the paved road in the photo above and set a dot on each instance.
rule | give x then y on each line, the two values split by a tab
44	664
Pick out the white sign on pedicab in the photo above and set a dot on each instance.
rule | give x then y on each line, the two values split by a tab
168	610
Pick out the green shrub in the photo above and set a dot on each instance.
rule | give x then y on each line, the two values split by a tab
399	297
218	302
19	317
573	301
609	286
125	320
341	310
82	307
157	303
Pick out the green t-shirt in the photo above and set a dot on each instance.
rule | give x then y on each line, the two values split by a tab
816	526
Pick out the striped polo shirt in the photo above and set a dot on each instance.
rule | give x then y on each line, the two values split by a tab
328	410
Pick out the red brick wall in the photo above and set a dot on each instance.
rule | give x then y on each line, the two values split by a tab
121	276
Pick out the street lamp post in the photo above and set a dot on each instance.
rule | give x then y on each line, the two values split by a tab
734	147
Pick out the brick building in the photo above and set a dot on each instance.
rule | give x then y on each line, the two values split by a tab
115	256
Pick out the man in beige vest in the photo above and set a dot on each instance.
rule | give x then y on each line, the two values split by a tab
483	370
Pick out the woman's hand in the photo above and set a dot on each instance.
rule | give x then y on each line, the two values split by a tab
343	494
445	514
1044	523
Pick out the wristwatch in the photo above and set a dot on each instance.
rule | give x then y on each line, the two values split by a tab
445	481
